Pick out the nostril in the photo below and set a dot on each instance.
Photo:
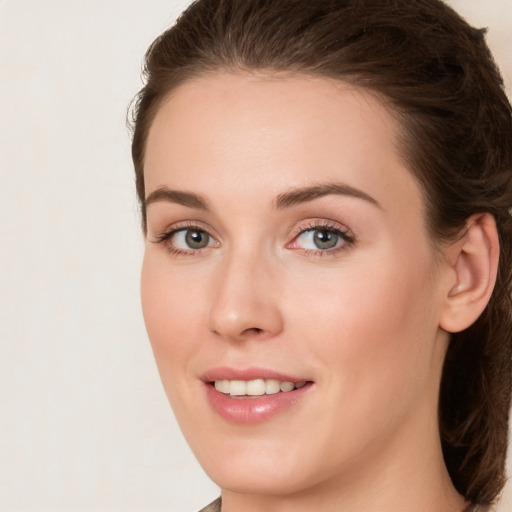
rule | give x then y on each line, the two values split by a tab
252	331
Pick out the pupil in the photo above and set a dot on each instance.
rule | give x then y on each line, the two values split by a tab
325	239
197	239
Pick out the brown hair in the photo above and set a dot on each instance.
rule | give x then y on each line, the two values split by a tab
436	74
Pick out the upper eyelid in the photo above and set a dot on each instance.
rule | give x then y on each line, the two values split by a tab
301	227
183	225
345	235
327	224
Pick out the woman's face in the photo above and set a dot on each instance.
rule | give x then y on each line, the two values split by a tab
286	243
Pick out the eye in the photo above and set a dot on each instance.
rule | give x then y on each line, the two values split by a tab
318	239
321	239
190	239
186	239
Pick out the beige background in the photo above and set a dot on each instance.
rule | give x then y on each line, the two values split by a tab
84	423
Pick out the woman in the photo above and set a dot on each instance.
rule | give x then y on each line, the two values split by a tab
326	191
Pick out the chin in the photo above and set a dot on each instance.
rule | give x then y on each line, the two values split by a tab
256	481
259	468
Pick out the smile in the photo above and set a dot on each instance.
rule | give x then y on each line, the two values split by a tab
256	387
254	395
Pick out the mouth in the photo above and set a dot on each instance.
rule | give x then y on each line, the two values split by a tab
256	387
254	395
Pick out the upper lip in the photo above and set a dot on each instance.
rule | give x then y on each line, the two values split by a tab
250	373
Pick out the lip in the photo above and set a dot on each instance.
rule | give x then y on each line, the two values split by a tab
255	409
251	373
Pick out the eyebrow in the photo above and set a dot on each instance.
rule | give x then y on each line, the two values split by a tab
176	196
306	194
285	200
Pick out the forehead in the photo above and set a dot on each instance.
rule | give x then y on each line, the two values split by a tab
246	133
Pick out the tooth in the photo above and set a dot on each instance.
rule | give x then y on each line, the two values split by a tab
256	387
287	386
222	386
272	386
237	387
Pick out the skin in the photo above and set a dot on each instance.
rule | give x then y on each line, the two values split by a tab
362	321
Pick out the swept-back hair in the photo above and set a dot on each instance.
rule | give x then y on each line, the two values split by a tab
437	76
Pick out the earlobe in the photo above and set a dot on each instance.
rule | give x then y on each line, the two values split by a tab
474	265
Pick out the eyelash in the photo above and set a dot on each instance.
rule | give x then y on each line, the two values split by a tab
345	235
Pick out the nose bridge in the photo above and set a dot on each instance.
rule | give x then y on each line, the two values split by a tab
244	302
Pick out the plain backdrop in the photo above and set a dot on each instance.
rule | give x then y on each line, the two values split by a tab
84	422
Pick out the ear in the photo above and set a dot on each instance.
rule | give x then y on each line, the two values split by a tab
473	262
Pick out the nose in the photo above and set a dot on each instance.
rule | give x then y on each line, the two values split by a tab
245	300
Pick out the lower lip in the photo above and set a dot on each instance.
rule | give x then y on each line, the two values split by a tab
255	409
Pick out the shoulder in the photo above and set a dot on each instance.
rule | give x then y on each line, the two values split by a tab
214	506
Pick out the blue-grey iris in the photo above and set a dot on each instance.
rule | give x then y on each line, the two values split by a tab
325	239
196	239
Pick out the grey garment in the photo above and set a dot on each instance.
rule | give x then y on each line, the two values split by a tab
214	506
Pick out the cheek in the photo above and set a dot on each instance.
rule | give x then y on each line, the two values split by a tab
371	336
171	309
374	326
